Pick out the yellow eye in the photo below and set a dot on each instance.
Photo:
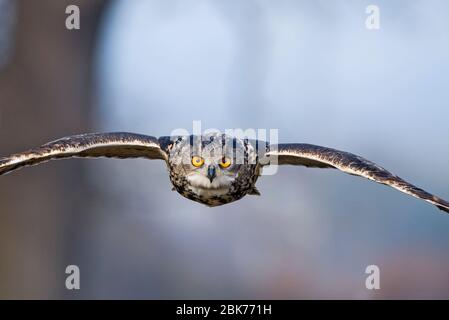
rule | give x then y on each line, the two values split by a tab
197	161
225	162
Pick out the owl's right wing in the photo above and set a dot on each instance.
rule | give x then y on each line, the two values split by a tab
321	157
92	145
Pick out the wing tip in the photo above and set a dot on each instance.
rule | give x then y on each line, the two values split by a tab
443	208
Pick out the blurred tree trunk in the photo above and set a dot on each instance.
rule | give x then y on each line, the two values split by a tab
45	93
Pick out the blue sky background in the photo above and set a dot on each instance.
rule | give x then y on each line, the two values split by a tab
314	71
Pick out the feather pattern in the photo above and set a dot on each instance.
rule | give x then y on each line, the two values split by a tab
321	157
92	145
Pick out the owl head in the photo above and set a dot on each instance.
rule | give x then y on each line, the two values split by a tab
213	169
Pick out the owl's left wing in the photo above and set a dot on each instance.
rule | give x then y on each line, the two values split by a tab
322	157
92	145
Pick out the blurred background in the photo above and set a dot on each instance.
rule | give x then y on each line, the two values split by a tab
308	68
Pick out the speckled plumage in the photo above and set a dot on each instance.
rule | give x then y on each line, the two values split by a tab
242	174
227	184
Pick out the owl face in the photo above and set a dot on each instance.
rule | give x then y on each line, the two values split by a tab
212	169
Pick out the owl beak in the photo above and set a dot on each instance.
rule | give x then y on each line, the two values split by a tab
211	173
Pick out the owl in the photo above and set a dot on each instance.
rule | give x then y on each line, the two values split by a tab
213	169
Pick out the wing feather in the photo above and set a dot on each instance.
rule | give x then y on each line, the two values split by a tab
322	157
92	145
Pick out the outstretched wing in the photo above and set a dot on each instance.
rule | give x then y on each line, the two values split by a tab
321	157
92	145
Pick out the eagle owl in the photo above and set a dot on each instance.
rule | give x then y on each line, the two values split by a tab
212	169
